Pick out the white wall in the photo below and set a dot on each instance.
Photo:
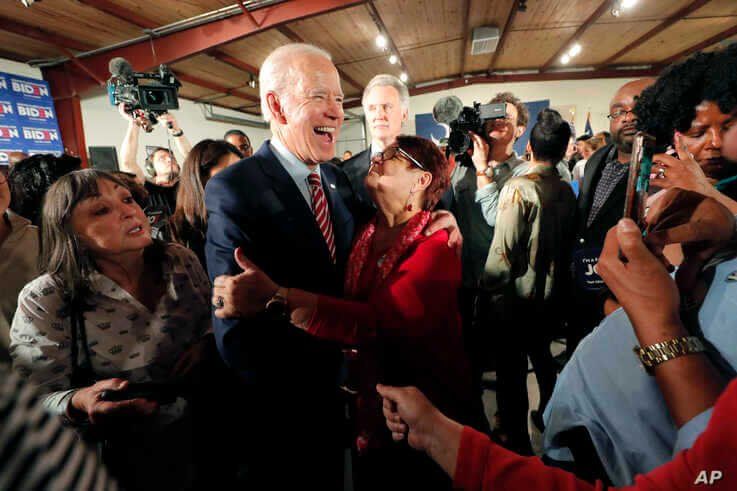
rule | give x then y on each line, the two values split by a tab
103	126
9	66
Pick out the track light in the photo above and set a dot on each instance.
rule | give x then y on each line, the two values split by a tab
403	77
575	50
381	41
393	59
565	59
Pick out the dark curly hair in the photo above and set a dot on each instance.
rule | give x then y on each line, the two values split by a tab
721	80
30	178
670	103
427	153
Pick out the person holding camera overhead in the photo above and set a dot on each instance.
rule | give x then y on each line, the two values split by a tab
114	307
160	173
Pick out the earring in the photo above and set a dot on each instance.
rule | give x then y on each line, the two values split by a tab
408	205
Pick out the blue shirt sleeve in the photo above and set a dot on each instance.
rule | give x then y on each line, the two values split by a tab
689	432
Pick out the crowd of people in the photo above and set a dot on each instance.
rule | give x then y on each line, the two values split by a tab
247	319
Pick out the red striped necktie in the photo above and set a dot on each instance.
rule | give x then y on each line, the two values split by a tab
322	212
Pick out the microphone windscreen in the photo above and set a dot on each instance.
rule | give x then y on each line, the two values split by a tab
447	109
120	67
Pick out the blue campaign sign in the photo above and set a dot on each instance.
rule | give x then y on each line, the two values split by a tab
28	121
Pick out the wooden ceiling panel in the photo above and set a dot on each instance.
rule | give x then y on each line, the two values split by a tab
212	70
433	62
168	11
531	49
722	44
232	101
645	10
191	91
484	13
26	48
600	41
365	70
716	8
676	38
345	34
254	49
71	19
554	14
414	23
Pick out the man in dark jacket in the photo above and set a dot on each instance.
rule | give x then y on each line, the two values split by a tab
600	206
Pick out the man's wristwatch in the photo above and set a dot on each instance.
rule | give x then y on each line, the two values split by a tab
178	133
655	354
277	304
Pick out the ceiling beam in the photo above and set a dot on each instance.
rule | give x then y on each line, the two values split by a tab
376	16
505	33
669	21
56	40
603	7
296	38
526	77
169	48
466	34
134	18
248	13
234	91
703	44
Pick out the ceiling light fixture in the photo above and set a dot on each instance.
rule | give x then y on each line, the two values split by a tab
28	3
403	77
393	59
575	50
628	4
381	41
565	59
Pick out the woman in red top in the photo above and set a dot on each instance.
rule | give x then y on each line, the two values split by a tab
400	311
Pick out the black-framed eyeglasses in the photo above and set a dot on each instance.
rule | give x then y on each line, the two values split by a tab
621	113
392	152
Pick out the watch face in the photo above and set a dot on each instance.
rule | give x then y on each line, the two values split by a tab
489	172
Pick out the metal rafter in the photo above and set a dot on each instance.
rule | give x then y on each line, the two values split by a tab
376	16
505	33
603	7
669	21
234	91
466	34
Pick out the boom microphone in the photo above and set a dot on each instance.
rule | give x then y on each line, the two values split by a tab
120	67
447	109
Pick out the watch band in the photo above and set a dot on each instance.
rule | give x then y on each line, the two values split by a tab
178	133
487	172
277	304
655	354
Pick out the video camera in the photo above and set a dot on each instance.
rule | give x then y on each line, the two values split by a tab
462	119
151	94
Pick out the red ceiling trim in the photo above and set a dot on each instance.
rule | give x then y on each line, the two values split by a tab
183	44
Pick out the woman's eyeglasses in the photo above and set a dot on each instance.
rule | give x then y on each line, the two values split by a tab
392	152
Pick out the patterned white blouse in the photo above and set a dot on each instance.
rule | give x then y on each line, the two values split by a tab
125	339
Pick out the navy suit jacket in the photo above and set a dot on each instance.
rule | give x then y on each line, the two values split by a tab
256	205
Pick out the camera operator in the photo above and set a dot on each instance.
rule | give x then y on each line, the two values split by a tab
472	183
160	174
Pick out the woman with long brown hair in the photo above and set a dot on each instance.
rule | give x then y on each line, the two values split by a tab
111	308
189	222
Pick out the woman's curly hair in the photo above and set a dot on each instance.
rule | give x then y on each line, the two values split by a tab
670	103
721	80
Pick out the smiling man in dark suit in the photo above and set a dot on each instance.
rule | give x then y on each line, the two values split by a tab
294	218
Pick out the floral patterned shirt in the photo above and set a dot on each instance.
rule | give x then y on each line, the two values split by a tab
124	338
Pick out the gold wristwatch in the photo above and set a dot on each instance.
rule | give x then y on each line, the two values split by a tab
655	354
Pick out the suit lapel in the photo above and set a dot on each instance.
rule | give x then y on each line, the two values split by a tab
591	177
300	214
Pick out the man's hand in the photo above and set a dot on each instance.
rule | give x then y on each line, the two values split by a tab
244	294
480	155
86	403
168	121
640	282
444	220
